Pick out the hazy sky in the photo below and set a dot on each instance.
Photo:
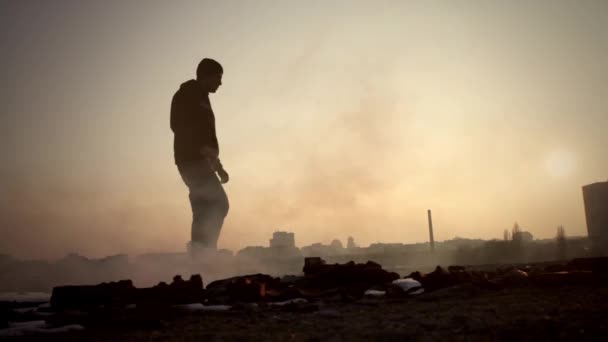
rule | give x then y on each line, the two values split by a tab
336	118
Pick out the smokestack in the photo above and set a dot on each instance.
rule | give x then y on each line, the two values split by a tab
432	240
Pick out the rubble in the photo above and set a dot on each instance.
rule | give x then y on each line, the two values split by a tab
123	293
320	289
409	285
437	279
598	265
514	277
248	288
374	293
349	279
38	327
91	296
178	292
290	301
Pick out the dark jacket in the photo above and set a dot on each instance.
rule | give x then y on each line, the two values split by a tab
192	122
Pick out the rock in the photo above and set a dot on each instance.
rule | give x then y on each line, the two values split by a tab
456	268
91	296
514	277
437	279
178	292
351	279
408	285
123	293
313	265
249	288
290	279
597	265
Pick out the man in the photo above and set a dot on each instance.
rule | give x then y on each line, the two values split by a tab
196	154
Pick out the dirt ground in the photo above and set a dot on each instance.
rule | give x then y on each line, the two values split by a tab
460	313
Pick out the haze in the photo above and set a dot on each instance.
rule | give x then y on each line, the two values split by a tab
335	119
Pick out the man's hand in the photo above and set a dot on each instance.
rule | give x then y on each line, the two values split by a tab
224	177
217	166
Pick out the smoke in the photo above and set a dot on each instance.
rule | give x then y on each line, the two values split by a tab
337	181
51	220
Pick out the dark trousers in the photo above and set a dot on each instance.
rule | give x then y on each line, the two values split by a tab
208	201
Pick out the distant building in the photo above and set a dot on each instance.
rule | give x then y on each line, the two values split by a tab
282	244
351	243
522	236
282	240
316	249
595	197
254	252
154	258
386	248
336	244
321	250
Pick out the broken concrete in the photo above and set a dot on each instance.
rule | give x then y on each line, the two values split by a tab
350	279
123	293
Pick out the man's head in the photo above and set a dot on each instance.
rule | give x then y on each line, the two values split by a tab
209	74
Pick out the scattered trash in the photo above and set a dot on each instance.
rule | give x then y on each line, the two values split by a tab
36	328
417	292
374	293
290	301
407	284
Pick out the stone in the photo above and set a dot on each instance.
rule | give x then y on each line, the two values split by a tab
248	288
91	296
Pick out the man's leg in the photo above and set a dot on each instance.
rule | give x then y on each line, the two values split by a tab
209	208
209	204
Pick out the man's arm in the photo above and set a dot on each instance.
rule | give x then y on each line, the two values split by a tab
182	121
209	152
186	123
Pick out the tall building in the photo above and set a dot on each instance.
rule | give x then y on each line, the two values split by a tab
595	197
282	240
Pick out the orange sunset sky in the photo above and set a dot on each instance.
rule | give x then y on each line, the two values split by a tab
335	119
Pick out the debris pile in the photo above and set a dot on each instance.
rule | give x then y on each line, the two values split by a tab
72	307
122	293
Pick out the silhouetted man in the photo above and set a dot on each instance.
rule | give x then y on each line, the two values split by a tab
196	154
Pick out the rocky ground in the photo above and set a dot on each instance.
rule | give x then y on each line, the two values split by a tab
562	305
457	313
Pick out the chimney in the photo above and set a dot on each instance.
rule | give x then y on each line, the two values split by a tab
432	240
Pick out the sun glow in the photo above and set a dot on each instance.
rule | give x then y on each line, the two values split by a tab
560	164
